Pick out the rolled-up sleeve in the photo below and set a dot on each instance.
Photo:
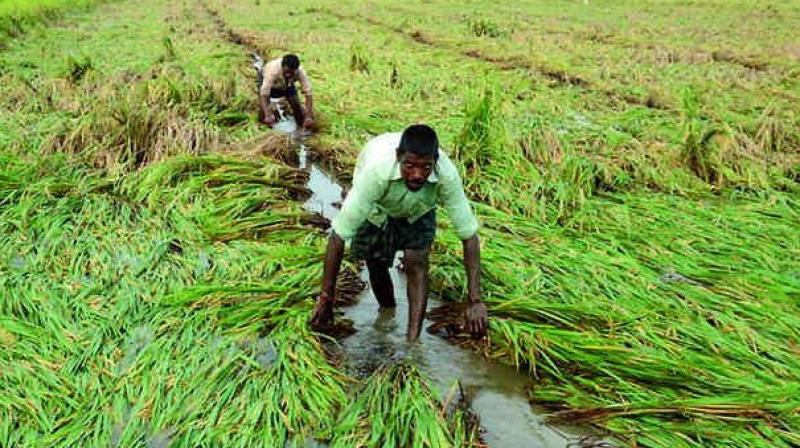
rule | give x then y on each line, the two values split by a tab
367	188
456	202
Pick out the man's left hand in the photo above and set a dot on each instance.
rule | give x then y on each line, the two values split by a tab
475	317
323	313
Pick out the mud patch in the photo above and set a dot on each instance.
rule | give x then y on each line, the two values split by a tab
298	192
341	328
649	101
564	78
420	37
246	39
316	220
732	58
448	323
502	63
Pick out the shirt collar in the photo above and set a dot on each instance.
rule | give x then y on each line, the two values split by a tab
395	173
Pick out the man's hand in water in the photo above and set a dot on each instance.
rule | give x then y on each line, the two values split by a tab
475	317
323	313
308	122
269	119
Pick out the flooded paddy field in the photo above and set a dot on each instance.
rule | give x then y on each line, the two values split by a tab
634	167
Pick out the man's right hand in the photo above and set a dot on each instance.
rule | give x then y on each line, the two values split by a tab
323	313
269	119
475	319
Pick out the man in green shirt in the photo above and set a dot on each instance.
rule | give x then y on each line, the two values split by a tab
398	181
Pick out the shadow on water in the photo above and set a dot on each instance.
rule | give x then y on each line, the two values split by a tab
497	392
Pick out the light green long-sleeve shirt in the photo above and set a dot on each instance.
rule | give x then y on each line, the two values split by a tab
379	192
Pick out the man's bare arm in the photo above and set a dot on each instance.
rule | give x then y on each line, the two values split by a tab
309	105
263	99
323	311
472	265
476	311
263	103
333	262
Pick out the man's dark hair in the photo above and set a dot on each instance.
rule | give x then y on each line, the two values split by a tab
290	61
419	139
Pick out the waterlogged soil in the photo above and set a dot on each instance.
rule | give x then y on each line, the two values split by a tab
496	392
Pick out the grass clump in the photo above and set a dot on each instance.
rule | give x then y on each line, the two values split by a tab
649	308
129	126
18	16
126	268
77	67
396	409
359	60
486	27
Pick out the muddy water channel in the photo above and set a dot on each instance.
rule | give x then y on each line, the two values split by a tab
497	392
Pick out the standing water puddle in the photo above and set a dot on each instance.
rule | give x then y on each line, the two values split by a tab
497	392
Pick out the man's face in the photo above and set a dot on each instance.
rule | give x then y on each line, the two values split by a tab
415	169
288	74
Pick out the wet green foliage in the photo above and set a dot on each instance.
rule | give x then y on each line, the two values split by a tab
396	409
18	16
636	190
635	172
156	276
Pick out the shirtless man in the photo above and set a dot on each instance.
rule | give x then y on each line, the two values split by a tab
276	79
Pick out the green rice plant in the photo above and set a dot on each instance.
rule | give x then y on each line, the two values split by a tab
17	16
396	408
78	66
722	156
394	76
133	293
359	61
596	321
486	27
169	49
698	149
226	198
121	316
643	271
479	139
543	176
486	155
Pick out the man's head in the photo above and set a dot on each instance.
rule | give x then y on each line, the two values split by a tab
417	155
289	65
